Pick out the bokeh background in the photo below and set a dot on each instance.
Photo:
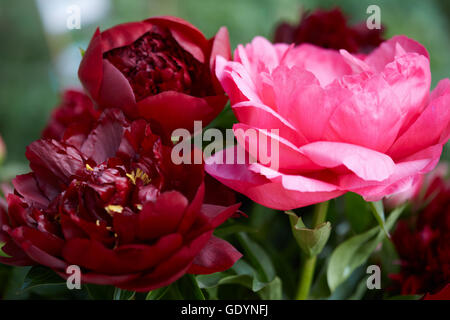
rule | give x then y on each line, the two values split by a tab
39	55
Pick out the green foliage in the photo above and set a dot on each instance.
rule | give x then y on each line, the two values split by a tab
378	213
311	241
2	253
245	275
355	251
41	276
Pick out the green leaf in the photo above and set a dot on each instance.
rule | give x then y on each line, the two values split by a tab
157	294
2	253
82	52
233	229
311	241
355	251
273	291
41	276
120	294
264	269
100	292
242	274
357	212
378	212
189	288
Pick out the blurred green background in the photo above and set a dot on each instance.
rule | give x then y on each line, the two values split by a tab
39	54
39	57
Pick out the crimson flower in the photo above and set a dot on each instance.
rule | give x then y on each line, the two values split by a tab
329	29
75	107
160	68
423	244
113	203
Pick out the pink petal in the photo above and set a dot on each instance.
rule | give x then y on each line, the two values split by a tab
365	163
369	116
261	116
387	51
433	121
326	65
270	193
258	143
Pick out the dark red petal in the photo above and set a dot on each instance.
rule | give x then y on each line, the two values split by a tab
126	226
71	229
171	269
42	257
188	36
28	188
213	216
175	110
45	241
141	257
17	255
103	279
444	294
163	216
54	164
116	91
193	210
217	193
92	255
104	141
218	255
91	66
123	35
17	211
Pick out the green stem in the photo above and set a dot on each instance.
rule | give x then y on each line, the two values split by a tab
309	263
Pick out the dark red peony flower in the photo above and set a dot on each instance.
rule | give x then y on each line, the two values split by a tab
113	203
329	29
75	108
444	294
161	69
423	244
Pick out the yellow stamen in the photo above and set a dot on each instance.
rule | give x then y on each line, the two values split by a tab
112	208
89	168
139	206
139	174
97	223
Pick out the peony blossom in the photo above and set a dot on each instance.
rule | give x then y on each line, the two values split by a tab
422	189
113	203
160	68
329	29
368	125
75	107
423	244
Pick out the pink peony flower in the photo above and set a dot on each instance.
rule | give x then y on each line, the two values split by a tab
422	190
366	124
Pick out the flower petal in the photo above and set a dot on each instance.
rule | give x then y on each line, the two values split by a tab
217	256
365	163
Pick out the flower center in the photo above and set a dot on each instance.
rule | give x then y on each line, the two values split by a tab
156	62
